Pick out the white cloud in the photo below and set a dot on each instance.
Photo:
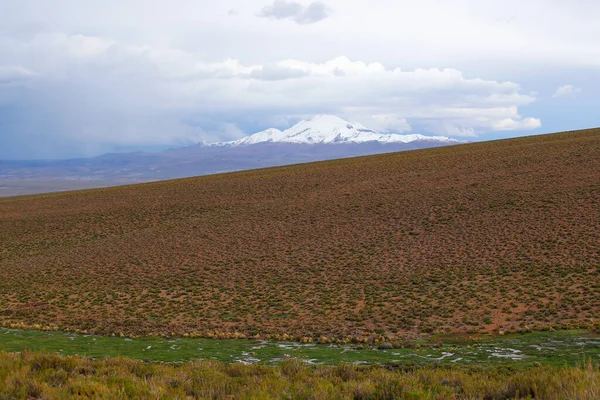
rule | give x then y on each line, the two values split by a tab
95	74
566	91
87	46
471	122
112	93
14	73
509	124
388	123
403	32
336	67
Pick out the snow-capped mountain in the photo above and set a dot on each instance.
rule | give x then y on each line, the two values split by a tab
324	137
329	129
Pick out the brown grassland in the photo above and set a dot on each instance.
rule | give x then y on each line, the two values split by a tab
483	237
38	375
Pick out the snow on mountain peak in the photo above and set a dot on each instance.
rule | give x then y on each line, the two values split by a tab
328	129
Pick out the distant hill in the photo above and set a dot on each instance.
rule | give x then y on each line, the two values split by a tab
483	237
323	137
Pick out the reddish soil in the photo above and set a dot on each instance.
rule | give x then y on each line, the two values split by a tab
501	235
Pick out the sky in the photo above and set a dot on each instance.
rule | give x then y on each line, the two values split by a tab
82	78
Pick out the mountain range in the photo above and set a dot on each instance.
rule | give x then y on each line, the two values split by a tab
330	129
323	137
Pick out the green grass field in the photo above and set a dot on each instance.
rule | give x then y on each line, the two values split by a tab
518	350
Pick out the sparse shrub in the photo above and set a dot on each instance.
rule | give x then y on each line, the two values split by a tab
292	367
381	243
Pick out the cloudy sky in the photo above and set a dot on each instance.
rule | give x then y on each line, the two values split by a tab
80	78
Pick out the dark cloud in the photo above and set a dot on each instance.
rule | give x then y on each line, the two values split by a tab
282	9
315	12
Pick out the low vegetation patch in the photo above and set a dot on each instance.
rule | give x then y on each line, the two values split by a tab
41	375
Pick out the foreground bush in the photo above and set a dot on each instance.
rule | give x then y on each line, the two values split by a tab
48	376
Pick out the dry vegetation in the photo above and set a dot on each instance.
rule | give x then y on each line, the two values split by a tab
39	375
485	237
